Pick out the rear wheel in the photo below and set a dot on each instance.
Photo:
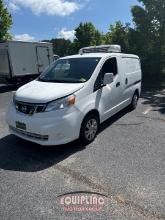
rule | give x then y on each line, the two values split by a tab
134	102
89	128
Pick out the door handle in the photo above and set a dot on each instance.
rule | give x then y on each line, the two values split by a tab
118	84
126	81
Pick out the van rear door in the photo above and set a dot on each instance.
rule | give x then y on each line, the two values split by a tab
4	63
43	58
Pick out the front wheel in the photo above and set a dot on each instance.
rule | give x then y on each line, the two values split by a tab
89	128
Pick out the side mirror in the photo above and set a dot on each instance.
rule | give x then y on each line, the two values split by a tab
108	78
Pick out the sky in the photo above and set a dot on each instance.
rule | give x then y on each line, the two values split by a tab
35	20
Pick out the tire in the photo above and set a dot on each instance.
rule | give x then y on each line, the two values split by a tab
134	102
89	129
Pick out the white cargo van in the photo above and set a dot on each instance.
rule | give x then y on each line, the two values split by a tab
75	95
20	61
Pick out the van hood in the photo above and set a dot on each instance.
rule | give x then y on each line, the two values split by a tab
43	92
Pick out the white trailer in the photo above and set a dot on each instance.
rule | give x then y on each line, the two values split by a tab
21	61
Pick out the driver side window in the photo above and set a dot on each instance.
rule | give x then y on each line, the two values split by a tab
110	66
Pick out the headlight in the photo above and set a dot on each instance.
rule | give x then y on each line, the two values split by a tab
61	103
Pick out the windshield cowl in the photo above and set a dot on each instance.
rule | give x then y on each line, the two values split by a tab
59	81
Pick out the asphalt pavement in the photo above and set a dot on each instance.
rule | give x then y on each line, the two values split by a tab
126	164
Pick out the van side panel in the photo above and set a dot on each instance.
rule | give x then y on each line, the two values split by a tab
23	58
97	100
132	77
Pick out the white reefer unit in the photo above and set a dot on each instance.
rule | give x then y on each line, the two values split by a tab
23	60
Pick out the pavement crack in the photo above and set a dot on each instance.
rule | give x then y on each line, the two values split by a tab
139	209
120	200
81	178
129	124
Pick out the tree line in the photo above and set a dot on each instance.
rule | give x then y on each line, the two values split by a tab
146	37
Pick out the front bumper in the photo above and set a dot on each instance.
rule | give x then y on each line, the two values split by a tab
47	128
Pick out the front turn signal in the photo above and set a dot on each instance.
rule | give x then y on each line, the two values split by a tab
71	100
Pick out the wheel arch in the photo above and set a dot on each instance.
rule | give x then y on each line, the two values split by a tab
137	92
93	111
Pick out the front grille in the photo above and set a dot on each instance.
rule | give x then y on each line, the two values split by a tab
29	135
29	108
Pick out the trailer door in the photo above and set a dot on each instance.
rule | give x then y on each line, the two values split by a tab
43	58
4	62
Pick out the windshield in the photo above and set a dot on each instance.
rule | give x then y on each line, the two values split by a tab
73	70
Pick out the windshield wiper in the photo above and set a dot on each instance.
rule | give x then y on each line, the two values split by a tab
59	81
42	80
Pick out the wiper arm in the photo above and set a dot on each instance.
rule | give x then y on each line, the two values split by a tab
42	80
59	81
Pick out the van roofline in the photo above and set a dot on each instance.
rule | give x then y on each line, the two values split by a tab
101	55
31	42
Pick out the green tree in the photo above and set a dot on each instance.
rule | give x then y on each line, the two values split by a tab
61	46
149	34
118	34
87	35
5	22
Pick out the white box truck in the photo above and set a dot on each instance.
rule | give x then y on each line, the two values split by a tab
22	61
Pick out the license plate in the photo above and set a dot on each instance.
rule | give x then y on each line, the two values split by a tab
20	125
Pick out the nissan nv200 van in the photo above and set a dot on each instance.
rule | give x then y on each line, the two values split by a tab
75	95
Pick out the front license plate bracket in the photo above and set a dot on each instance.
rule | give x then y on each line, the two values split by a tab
20	125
